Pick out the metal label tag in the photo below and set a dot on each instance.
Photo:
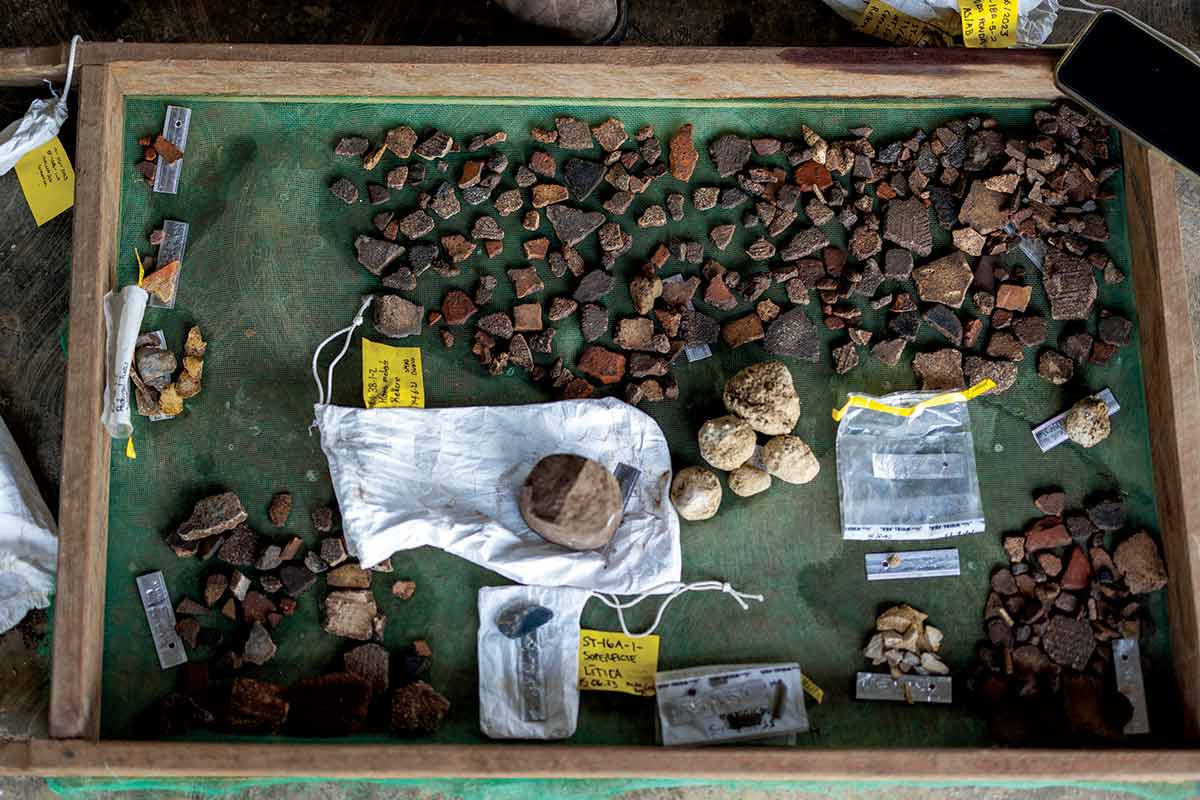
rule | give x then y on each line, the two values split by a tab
1127	662
905	689
627	478
174	244
918	466
912	564
175	131
152	588
1051	433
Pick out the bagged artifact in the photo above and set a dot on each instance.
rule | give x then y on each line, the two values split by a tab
906	466
452	478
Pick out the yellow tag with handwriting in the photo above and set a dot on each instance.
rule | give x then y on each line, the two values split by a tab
614	662
989	23
883	21
391	376
815	691
47	180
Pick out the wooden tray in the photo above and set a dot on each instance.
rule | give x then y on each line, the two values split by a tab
111	72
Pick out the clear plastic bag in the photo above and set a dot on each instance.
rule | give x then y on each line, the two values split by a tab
907	477
1035	18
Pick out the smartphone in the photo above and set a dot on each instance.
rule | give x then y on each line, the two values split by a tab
1139	80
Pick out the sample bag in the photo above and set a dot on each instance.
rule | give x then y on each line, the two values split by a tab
906	466
730	703
123	314
529	684
449	478
41	122
28	538
1035	18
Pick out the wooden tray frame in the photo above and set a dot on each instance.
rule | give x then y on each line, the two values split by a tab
111	72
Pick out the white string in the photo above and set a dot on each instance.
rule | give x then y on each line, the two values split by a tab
348	331
75	40
680	588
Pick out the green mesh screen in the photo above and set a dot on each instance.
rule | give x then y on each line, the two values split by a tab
270	271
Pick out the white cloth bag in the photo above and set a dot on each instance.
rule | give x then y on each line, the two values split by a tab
28	538
448	477
501	707
41	123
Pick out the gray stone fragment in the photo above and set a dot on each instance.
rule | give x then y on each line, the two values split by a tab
498	324
803	244
313	562
698	328
297	579
594	286
351	146
729	153
487	228
1070	283
212	515
259	646
593	321
897	263
572	225
581	177
155	366
345	191
396	317
907	224
270	558
376	254
792	333
333	551
370	662
946	322
240	547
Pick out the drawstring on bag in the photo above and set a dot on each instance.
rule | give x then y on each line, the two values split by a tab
348	331
700	586
41	122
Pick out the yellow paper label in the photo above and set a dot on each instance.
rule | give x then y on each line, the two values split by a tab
883	21
989	23
391	376
816	692
614	662
47	180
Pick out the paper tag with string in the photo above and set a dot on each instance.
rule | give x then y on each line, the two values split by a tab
989	23
392	376
614	662
47	180
884	21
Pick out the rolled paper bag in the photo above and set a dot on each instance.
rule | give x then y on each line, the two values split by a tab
123	314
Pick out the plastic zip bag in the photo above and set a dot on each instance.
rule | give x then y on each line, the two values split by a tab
1035	18
729	703
906	466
